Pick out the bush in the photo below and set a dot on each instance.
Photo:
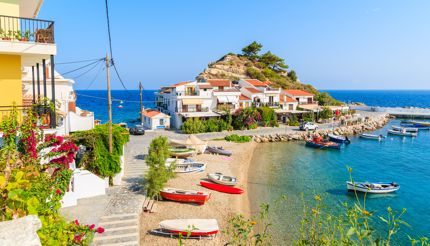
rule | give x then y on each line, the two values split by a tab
255	74
309	117
158	173
268	116
293	121
237	139
246	118
192	126
326	113
97	158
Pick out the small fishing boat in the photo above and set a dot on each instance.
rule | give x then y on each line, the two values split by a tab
372	136
339	139
120	106
181	152
403	133
420	127
422	123
407	129
188	196
190	167
221	188
318	143
219	178
190	227
375	188
218	150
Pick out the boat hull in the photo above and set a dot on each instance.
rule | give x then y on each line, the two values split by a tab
372	137
197	197
312	144
339	139
407	129
221	188
214	177
203	227
360	187
218	151
403	134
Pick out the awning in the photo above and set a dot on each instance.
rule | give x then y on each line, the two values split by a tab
192	101
228	99
222	99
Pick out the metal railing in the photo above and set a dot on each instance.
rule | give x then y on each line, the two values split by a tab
26	29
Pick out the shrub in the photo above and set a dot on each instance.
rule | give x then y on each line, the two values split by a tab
97	158
268	116
246	118
158	173
293	121
326	113
310	117
192	126
255	74
237	139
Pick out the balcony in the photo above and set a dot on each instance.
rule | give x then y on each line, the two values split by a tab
26	36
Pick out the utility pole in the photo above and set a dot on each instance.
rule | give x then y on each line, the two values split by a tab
109	102
141	105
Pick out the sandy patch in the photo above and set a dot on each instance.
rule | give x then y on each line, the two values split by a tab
221	206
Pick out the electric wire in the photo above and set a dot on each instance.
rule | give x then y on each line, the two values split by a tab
87	71
96	76
72	62
82	67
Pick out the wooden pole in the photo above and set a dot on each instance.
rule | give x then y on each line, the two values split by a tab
141	104
109	103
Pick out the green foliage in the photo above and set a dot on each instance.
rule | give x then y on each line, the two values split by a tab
255	74
268	116
193	125
9	126
326	113
293	120
325	99
247	118
97	158
292	75
274	62
238	139
251	51
158	173
309	117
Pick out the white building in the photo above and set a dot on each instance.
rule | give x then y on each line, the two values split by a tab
303	97
153	119
261	93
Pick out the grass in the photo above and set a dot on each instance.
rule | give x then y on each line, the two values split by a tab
238	139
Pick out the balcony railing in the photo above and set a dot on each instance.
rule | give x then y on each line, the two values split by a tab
192	110
26	29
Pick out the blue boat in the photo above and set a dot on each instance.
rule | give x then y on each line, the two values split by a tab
339	139
415	125
322	145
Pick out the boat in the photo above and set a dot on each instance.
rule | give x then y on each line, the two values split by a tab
403	133
422	123
218	150
181	152
375	188
339	139
379	137
191	142
407	129
120	106
420	127
318	143
190	227
219	178
188	196
189	167
221	188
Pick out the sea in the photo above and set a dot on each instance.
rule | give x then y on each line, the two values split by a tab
299	173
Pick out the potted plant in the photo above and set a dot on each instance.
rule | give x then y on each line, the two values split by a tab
27	35
24	37
6	35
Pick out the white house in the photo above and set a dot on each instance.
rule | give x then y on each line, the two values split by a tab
153	119
303	97
266	95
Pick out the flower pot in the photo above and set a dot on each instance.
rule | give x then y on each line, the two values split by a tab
6	38
23	40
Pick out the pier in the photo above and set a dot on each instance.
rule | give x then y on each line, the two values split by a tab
398	112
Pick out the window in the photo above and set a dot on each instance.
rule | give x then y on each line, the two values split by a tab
290	106
161	122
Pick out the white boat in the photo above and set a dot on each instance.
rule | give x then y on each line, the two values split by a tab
372	136
190	167
191	227
407	129
375	188
403	133
219	178
422	123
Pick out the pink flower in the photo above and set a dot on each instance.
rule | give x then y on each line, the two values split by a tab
77	238
76	222
58	192
92	226
100	230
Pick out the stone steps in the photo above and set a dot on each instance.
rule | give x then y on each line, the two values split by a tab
120	229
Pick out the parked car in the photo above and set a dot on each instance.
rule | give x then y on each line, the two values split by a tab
137	130
306	126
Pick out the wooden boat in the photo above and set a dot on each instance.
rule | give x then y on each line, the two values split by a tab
219	178
375	188
181	152
339	139
372	136
403	133
318	143
190	227
190	167
407	129
189	196
221	188
420	127
218	150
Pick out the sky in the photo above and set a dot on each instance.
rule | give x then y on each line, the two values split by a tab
334	44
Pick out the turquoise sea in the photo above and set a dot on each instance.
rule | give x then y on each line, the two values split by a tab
292	169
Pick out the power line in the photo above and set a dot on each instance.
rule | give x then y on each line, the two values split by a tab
79	68
87	71
95	77
71	62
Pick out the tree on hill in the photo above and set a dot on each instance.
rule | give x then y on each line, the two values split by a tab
273	61
251	51
292	75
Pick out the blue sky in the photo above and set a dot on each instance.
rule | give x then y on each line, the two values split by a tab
334	44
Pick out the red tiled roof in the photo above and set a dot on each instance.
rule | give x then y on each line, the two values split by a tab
205	86
252	90
228	90
256	82
284	98
298	93
219	82
244	98
150	113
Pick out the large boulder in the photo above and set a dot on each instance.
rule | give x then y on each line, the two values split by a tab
22	231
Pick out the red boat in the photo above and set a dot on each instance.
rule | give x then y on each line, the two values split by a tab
203	227
221	188
190	196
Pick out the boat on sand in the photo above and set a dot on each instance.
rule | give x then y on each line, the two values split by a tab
375	188
190	227
219	178
189	167
187	196
181	152
221	188
218	150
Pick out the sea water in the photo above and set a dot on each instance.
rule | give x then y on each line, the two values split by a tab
293	170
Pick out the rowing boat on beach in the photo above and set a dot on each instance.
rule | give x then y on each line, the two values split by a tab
375	188
403	133
219	178
221	188
181	152
190	167
372	136
190	227
187	196
218	150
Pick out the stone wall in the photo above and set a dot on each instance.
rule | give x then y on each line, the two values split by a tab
22	231
367	125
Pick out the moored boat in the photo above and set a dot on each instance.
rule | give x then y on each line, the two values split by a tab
339	139
375	188
372	136
190	227
318	143
420	127
407	129
219	178
218	150
221	188
403	133
422	123
188	196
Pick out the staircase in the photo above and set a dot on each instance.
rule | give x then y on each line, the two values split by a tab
120	230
